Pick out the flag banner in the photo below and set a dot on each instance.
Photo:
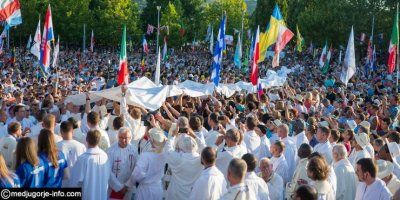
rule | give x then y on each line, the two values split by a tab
10	12
123	74
237	59
28	45
92	42
212	40
144	45
228	39
150	29
284	36
35	48
362	37
158	66
300	41
256	57
394	44
47	37
217	56
349	64
322	58
55	53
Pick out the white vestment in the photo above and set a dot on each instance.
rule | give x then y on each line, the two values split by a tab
346	180
72	149
376	191
226	154
258	185
210	185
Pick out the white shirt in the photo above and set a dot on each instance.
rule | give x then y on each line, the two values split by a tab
239	192
290	156
301	171
123	162
357	155
300	138
92	172
113	136
72	149
324	190
8	145
325	149
25	123
280	167
226	154
210	185
257	185
135	125
275	187
265	146
3	130
104	140
252	141
346	180
376	191
211	138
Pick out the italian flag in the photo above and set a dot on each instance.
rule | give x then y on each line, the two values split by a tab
394	44
123	61
325	69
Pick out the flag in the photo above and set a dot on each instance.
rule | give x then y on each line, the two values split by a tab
212	40
56	51
4	33
284	36
322	59
10	12
208	33
256	57
340	57
165	50
362	38
260	90
373	66
150	29
28	45
92	42
327	61
123	61
251	47
47	37
237	59
300	41
246	59
142	63
182	29
349	65
35	48
217	57
394	43
271	35
144	45
157	74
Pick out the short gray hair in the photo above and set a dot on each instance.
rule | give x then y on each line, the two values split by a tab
341	150
183	122
124	130
238	168
285	127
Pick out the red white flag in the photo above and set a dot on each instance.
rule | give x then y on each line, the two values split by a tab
256	57
284	36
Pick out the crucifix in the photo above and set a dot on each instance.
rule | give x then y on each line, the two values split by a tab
131	160
116	167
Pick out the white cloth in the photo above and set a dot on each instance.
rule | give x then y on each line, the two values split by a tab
134	125
290	156
346	180
122	162
113	136
252	141
8	145
239	192
265	146
357	155
324	190
92	172
258	185
300	138
211	138
301	171
185	168
226	154
210	185
72	149
394	184
325	149
376	191
25	123
275	187
148	172
280	167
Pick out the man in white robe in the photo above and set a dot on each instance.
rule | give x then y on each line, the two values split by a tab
211	184
251	139
324	146
370	187
238	190
8	144
300	174
345	174
299	133
92	170
278	161
71	148
122	156
273	180
290	149
360	142
255	183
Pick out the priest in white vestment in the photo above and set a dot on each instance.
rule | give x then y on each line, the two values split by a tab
273	180
345	174
255	183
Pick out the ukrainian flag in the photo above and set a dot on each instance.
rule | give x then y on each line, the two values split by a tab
271	34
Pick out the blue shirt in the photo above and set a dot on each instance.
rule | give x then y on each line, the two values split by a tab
31	176
5	183
53	176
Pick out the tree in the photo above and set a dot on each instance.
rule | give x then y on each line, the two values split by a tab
171	18
263	12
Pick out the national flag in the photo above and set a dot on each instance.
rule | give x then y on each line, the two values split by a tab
165	50
47	37
260	90
300	40
158	66
123	61
284	36
142	63
271	35
28	45
35	48
92	42
217	57
150	29
362	37
256	57
55	53
212	40
322	59
251	47
394	43
237	59
327	61
340	57
144	45
10	12
349	65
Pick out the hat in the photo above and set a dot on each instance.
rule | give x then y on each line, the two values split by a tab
362	139
323	124
277	122
187	144
352	124
298	97
365	124
385	168
377	102
157	135
394	149
190	75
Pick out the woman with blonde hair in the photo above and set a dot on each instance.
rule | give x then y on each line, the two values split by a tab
318	171
149	169
54	160
7	178
29	167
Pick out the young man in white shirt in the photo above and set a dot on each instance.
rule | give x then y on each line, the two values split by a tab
324	147
279	162
255	183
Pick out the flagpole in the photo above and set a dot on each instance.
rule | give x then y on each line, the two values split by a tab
84	38
158	25
397	49
8	38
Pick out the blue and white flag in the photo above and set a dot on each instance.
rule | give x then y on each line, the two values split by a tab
237	59
217	58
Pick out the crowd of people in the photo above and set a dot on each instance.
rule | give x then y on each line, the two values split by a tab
313	138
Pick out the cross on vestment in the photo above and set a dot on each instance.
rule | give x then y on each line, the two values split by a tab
131	160
117	167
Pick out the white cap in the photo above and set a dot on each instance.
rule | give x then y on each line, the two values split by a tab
157	135
362	139
352	124
385	168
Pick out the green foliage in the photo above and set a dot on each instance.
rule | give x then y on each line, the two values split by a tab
171	18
